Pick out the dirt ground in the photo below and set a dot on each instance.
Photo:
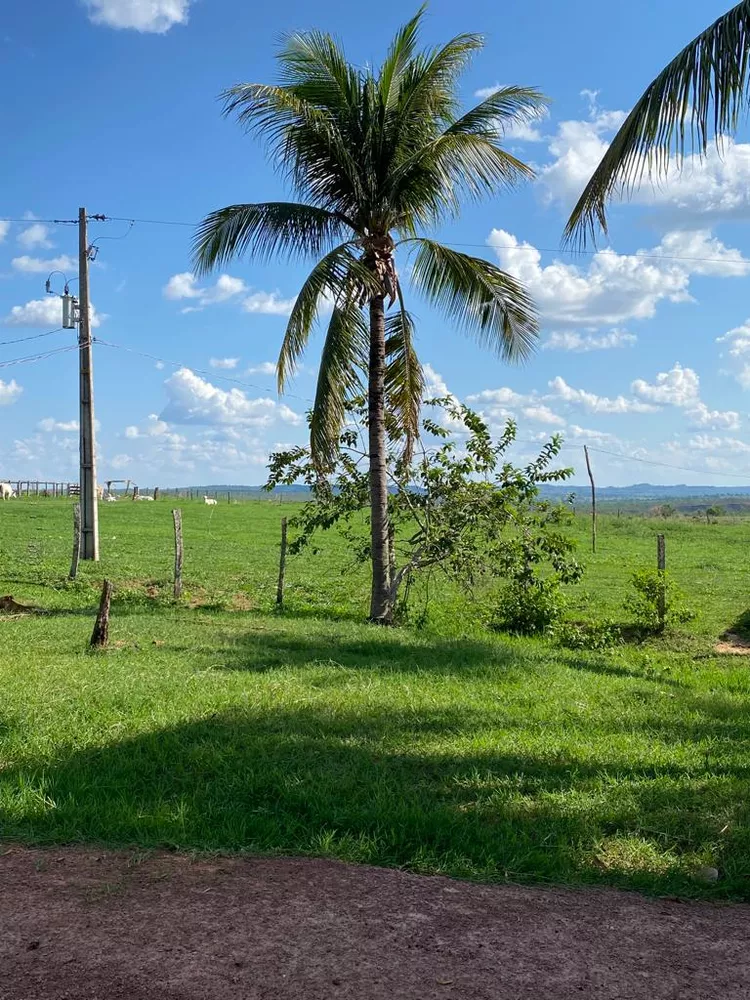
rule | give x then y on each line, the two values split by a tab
82	925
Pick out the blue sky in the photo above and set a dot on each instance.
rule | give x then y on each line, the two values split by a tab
644	355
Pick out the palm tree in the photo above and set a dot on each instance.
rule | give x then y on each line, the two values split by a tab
702	91
375	158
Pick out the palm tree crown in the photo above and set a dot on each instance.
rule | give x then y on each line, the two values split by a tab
700	93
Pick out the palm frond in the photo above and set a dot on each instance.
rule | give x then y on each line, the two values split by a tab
338	277
702	91
264	231
481	298
400	54
314	69
338	380
404	378
508	106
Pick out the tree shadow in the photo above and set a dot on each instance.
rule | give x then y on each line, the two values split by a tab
393	787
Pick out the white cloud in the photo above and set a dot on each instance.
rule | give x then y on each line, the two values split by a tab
268	303
680	387
193	400
225	363
498	397
43	312
4	228
543	414
50	425
583	342
153	16
677	387
704	190
9	392
184	286
264	368
597	404
37	265
613	288
703	442
35	235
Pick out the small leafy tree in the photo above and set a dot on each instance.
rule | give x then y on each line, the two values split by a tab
713	513
458	506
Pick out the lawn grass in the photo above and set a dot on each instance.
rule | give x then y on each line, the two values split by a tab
219	724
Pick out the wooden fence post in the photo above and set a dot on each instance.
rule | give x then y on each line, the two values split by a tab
282	565
76	541
661	566
593	499
100	635
156	492
177	516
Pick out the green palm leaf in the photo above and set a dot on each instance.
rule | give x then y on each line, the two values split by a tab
702	91
404	378
482	299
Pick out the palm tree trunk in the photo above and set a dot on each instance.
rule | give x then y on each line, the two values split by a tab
381	609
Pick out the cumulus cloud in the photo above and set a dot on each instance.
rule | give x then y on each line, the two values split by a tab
597	404
42	312
264	368
37	265
268	303
185	286
194	400
227	364
680	387
571	340
705	190
543	414
35	235
4	228
613	288
152	16
49	425
9	392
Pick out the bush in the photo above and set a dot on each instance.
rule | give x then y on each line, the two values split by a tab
643	605
587	635
529	608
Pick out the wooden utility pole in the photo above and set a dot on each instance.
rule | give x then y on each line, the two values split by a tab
87	444
593	499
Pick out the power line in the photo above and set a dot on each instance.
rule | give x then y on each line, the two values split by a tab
38	357
35	336
497	246
200	371
667	465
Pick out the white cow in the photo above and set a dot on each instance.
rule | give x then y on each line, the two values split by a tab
6	491
142	496
211	501
111	498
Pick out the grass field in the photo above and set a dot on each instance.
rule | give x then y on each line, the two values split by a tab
220	724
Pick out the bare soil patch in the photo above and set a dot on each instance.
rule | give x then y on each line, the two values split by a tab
732	644
87	925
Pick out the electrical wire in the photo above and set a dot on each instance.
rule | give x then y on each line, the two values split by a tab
35	336
199	371
667	465
38	357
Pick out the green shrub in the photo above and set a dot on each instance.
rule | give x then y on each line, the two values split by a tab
643	605
587	635
529	607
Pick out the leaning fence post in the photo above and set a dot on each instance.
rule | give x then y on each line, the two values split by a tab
76	541
593	499
177	516
100	635
661	566
282	565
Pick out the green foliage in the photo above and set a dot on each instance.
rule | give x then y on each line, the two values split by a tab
643	604
593	635
465	511
665	510
529	608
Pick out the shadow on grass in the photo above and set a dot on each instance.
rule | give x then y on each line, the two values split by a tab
391	787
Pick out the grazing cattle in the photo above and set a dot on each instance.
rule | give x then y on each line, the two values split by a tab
141	496
6	491
110	498
211	501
